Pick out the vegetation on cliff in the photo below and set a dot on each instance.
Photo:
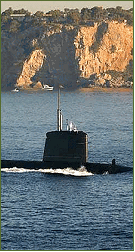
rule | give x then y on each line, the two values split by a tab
74	16
71	47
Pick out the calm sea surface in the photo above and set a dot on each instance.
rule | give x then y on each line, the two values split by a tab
66	209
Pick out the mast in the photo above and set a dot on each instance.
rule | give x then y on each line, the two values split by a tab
59	114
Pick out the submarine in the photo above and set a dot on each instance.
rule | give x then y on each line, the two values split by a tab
66	148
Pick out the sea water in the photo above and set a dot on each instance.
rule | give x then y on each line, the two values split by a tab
67	209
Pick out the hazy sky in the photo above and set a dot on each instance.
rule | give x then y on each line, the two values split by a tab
45	6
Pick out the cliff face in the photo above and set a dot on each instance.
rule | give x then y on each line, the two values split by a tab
30	67
114	52
60	66
65	54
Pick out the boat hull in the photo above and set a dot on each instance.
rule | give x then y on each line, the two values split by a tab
95	168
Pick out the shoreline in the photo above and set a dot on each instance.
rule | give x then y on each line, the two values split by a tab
83	89
106	90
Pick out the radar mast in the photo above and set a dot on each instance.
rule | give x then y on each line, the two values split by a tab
59	114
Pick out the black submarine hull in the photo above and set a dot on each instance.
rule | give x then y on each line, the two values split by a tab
95	168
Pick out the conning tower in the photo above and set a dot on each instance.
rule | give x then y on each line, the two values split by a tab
65	147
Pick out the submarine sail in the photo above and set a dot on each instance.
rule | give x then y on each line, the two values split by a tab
65	148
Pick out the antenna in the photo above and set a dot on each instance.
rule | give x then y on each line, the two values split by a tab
59	114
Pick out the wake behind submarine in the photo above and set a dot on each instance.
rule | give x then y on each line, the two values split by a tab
66	148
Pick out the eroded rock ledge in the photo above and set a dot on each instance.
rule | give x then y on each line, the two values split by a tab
69	55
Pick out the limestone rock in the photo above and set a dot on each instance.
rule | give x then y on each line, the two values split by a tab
118	35
30	67
65	54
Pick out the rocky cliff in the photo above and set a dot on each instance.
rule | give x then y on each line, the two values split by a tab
68	55
103	49
30	67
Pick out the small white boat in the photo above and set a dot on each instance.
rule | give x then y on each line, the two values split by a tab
15	90
46	87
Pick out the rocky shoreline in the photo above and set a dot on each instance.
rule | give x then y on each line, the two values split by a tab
113	84
105	89
82	89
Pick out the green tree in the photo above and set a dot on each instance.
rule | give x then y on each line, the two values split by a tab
129	18
55	15
39	14
85	14
118	8
74	16
66	10
97	13
8	12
